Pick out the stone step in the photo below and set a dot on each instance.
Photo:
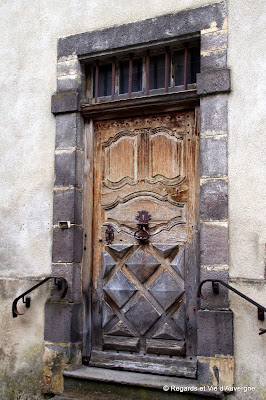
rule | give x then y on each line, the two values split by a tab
62	398
92	383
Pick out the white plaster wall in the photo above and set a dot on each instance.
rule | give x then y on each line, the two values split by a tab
28	54
29	33
247	119
28	79
247	187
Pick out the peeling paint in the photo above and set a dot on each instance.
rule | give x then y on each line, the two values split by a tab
213	28
217	267
221	369
216	50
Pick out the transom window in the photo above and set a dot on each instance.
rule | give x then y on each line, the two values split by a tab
143	74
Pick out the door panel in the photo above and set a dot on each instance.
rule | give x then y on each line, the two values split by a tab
140	289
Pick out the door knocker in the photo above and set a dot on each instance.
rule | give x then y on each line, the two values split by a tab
109	234
142	234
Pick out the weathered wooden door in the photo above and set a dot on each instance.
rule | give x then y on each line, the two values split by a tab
143	304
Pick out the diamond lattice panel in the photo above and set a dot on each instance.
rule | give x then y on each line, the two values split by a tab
165	249
142	315
120	289
108	314
166	290
108	263
178	263
142	264
119	250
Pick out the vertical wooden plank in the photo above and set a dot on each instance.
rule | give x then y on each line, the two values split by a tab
193	250
87	257
97	243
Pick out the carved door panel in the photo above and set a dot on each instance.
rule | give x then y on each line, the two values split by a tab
143	304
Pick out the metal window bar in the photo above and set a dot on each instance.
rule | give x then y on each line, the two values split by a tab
130	71
96	82
113	80
166	69
147	89
185	68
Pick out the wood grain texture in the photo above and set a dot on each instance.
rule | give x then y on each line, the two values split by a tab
139	290
163	365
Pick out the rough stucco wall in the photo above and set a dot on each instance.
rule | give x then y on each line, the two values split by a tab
28	79
28	55
247	189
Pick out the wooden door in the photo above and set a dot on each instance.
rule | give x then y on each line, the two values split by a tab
143	304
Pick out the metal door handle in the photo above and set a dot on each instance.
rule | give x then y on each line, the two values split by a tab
141	233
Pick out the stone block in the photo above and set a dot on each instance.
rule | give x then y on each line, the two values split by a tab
71	83
213	51
214	200
205	376
213	244
69	66
146	31
72	273
214	301
63	102
71	352
78	245
68	206
213	157
215	41
63	322
216	371
213	60
215	333
64	205
213	115
56	359
79	168
67	244
78	207
69	130
79	131
213	81
65	168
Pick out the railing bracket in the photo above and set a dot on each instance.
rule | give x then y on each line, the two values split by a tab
60	282
215	288
261	316
26	301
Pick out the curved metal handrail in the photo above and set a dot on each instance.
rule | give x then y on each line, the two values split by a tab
215	288
59	282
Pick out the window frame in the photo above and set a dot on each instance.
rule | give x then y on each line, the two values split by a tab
136	53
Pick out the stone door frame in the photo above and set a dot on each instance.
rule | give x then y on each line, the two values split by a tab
66	329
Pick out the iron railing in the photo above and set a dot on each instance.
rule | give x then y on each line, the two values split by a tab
215	289
60	282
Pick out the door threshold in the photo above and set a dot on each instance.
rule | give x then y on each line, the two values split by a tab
151	381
